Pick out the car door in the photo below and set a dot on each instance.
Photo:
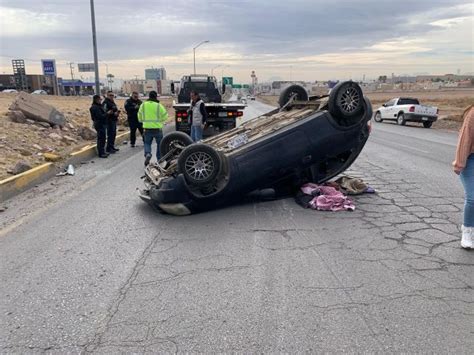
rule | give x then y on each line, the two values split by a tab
387	112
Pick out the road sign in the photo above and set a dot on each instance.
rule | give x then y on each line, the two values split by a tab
49	66
227	80
246	86
236	86
86	67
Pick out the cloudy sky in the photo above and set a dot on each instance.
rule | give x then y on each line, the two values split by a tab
298	39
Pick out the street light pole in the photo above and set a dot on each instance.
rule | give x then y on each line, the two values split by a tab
222	70
94	43
212	70
194	54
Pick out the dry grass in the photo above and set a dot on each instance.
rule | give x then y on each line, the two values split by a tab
17	140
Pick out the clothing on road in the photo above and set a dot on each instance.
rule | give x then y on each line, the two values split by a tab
132	106
327	198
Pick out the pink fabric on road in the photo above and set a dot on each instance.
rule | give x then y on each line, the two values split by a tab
327	198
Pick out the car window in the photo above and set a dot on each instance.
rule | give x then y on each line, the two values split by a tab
390	103
408	102
199	86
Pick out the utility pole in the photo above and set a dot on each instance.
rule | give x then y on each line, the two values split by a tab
94	43
71	67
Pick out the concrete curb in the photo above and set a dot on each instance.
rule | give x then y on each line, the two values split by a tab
17	184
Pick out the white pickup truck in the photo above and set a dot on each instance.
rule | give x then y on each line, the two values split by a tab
406	109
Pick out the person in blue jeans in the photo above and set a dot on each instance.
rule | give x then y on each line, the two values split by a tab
152	114
150	134
198	116
463	165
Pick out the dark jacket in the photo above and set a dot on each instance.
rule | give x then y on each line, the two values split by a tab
132	106
110	105
98	114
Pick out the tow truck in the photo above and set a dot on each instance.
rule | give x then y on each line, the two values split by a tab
222	116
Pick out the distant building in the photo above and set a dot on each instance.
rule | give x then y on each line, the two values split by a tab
130	86
75	87
403	79
164	87
34	82
150	85
155	74
445	77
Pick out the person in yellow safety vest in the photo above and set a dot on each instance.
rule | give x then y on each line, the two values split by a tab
152	114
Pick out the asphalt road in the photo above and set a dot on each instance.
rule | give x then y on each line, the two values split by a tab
86	266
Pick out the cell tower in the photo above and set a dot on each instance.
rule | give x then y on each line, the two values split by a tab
254	81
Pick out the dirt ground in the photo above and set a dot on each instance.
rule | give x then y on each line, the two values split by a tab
451	103
28	142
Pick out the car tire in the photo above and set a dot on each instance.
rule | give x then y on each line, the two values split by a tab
299	91
378	117
200	164
427	124
346	100
172	138
401	119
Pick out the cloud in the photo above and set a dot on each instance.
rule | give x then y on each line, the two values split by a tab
265	35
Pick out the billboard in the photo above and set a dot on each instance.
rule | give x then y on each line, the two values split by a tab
49	66
86	67
19	74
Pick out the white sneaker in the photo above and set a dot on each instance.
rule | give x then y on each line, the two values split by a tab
467	241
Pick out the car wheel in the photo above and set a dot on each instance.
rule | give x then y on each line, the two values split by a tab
200	164
346	100
299	91
174	139
427	124
401	119
378	117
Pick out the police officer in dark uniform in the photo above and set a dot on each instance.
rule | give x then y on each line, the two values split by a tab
131	106
112	117
99	117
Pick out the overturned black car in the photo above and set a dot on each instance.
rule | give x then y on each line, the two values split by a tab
307	139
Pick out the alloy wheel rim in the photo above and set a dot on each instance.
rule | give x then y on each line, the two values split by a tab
199	166
350	100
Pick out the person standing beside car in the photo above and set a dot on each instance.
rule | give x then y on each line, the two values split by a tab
198	116
152	114
99	118
112	117
463	166
131	107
